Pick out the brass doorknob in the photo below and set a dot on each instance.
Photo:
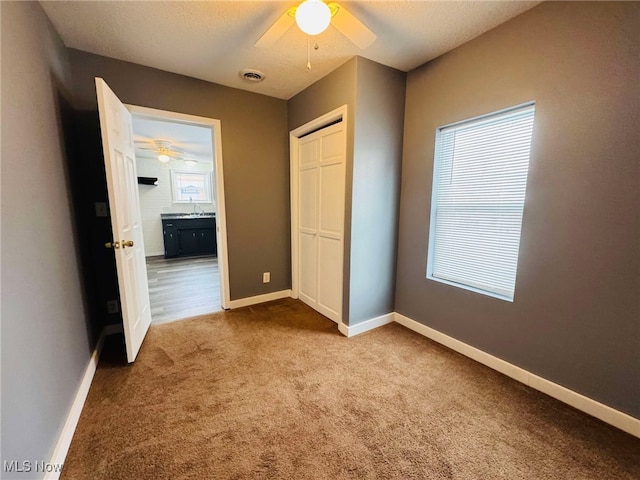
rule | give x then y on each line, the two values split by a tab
127	243
112	245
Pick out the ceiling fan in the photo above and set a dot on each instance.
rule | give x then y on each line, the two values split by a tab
313	17
162	148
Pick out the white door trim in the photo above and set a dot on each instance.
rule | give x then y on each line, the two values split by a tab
221	217
294	140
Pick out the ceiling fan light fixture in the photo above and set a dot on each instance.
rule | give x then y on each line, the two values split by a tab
313	16
163	158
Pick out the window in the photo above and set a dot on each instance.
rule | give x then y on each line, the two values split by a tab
191	187
479	184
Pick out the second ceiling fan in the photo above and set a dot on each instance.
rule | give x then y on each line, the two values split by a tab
313	17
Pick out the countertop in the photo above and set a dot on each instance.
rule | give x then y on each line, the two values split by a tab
175	216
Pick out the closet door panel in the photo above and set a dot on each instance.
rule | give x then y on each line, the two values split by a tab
332	198
330	274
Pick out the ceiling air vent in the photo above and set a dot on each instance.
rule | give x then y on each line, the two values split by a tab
252	75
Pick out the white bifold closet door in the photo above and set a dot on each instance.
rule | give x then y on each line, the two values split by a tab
321	180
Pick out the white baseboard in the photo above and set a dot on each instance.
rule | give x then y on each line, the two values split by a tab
596	409
358	328
266	297
66	435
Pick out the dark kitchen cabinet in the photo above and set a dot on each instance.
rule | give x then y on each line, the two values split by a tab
170	234
208	242
188	236
188	241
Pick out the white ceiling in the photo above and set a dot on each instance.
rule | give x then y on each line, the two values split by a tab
213	40
194	141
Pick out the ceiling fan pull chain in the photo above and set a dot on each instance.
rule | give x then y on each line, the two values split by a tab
309	52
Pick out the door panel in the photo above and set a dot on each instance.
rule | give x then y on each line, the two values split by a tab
308	265
120	167
132	284
309	198
133	214
308	151
332	198
332	144
330	269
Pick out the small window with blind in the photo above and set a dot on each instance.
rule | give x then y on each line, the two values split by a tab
479	186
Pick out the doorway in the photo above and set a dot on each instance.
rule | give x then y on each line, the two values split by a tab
181	192
318	175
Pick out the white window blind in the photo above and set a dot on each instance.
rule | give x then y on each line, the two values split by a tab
479	184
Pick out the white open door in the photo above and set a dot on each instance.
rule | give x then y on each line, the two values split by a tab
128	244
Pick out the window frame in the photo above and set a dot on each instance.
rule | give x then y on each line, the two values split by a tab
434	200
207	180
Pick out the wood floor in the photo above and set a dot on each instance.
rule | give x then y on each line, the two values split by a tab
183	287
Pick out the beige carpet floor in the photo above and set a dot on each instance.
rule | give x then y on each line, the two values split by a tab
275	392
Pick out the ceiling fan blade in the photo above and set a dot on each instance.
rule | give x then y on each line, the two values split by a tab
351	27
276	30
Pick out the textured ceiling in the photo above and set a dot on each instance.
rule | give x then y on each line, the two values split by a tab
213	40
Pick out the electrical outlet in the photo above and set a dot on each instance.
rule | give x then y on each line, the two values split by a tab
266	277
101	209
112	306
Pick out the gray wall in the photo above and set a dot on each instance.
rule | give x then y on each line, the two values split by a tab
380	95
374	95
336	89
576	315
255	153
45	340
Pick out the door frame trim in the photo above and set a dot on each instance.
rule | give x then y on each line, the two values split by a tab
295	135
215	126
